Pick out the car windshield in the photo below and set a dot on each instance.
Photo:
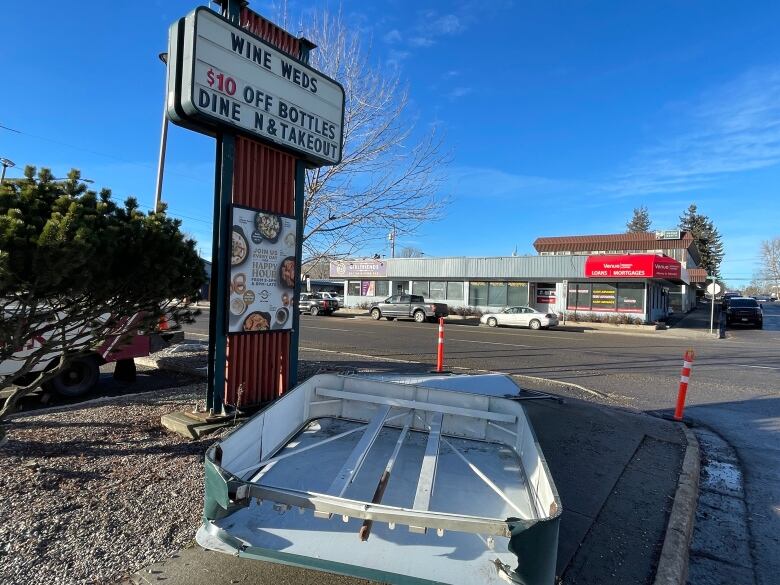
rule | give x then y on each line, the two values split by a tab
743	303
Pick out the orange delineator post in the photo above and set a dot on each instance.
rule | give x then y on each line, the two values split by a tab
684	376
440	355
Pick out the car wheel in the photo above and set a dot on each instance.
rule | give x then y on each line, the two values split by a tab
419	316
535	324
79	377
314	311
492	322
376	314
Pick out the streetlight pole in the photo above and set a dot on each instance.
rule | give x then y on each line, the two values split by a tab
6	163
163	141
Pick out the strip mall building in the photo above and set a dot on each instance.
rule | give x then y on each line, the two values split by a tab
643	274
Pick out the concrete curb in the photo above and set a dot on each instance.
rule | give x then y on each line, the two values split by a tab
673	564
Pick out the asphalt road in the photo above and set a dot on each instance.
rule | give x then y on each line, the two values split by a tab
734	388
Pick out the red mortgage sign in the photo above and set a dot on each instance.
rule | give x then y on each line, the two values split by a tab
632	266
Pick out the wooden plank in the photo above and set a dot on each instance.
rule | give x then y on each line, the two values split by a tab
415	404
422	498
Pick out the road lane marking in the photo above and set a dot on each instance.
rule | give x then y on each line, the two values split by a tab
489	342
193	334
552	381
762	367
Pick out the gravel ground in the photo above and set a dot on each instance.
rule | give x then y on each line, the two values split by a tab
93	492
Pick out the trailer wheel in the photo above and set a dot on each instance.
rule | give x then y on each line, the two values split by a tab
79	377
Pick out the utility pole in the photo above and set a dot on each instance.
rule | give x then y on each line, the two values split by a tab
391	237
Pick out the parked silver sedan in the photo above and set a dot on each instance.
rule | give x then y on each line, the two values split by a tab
520	317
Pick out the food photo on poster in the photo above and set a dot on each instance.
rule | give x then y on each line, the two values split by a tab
262	271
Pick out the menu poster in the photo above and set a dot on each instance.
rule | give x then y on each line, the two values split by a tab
262	271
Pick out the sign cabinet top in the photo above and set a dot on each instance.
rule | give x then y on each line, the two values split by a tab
232	79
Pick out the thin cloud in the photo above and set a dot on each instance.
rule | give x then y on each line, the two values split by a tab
482	182
421	41
393	36
731	130
460	92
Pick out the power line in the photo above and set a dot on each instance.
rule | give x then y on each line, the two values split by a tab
111	156
95	152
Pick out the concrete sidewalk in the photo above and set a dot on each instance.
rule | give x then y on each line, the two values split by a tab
617	474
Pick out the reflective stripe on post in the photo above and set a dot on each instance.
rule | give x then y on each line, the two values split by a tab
440	354
684	377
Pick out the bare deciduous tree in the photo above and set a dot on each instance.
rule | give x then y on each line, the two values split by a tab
770	260
411	252
390	173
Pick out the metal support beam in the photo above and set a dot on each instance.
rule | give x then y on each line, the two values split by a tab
220	255
300	226
355	460
422	498
220	267
416	405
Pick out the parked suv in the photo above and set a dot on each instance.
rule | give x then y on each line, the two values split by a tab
744	310
314	304
408	307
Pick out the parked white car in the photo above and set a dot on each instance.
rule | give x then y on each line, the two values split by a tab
520	317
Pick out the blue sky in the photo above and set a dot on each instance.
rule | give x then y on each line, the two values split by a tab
561	117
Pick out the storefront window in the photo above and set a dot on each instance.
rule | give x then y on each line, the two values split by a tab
353	288
438	291
478	293
545	293
455	291
517	294
497	294
604	297
382	288
579	296
400	287
631	297
420	287
367	288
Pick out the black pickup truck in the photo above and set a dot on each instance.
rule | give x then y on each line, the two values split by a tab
744	310
408	307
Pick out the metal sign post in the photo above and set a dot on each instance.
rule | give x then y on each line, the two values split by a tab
240	78
713	289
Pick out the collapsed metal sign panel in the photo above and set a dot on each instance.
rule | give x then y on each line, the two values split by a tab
397	482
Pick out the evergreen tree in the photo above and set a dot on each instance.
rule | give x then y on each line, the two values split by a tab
707	238
640	222
74	260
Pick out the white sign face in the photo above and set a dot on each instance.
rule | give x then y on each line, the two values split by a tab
262	271
713	289
230	77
